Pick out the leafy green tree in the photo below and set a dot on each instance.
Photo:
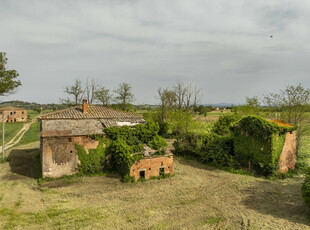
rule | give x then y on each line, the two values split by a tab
124	95
292	103
251	107
75	90
103	95
168	100
8	82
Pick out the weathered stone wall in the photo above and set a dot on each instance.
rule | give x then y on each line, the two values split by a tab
288	156
59	156
14	116
73	127
152	166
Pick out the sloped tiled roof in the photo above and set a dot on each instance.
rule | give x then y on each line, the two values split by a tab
93	112
10	108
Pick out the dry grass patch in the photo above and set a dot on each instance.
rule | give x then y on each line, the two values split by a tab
198	197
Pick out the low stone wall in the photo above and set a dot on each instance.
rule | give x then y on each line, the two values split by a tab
152	166
59	156
288	156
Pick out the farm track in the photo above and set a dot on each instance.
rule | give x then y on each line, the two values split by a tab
16	139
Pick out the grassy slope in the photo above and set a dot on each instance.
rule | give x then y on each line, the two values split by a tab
198	197
32	135
11	129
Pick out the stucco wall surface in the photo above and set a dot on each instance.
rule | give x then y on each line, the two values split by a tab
288	156
59	156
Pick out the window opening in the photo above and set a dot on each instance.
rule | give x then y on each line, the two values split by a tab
142	174
161	171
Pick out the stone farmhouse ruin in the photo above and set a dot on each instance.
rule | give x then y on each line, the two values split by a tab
13	114
61	130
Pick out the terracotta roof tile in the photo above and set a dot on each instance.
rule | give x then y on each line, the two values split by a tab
93	112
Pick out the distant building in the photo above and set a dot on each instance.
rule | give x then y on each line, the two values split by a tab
13	114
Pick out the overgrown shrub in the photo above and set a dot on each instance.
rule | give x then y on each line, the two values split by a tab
127	142
93	162
221	127
165	129
121	155
218	150
157	142
305	190
210	148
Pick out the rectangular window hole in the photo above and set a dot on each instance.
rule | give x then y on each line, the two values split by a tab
70	139
142	174
161	171
149	168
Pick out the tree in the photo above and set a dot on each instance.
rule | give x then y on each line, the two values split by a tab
292	103
8	82
251	107
180	91
124	95
167	102
75	90
103	95
90	90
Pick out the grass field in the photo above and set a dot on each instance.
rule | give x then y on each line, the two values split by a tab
11	129
198	197
32	135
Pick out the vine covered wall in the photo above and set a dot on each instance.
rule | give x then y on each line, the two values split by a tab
260	142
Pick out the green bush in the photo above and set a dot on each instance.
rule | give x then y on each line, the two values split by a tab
134	135
127	143
93	162
305	190
218	150
221	127
211	149
157	143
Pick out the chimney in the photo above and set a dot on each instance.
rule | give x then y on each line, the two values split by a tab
84	106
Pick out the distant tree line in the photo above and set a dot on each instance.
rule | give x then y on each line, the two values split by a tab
94	92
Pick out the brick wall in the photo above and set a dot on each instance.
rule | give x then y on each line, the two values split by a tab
151	166
288	156
14	115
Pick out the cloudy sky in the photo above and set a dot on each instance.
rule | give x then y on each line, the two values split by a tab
223	46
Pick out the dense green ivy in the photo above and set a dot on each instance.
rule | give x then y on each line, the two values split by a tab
260	142
93	162
127	144
260	128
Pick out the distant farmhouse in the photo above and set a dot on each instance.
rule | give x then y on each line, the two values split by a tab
13	114
61	130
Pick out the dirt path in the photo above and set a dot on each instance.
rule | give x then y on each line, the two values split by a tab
16	139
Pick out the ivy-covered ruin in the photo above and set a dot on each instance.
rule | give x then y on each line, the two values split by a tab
258	143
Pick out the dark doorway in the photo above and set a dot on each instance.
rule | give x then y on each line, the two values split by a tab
142	174
14	119
161	171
